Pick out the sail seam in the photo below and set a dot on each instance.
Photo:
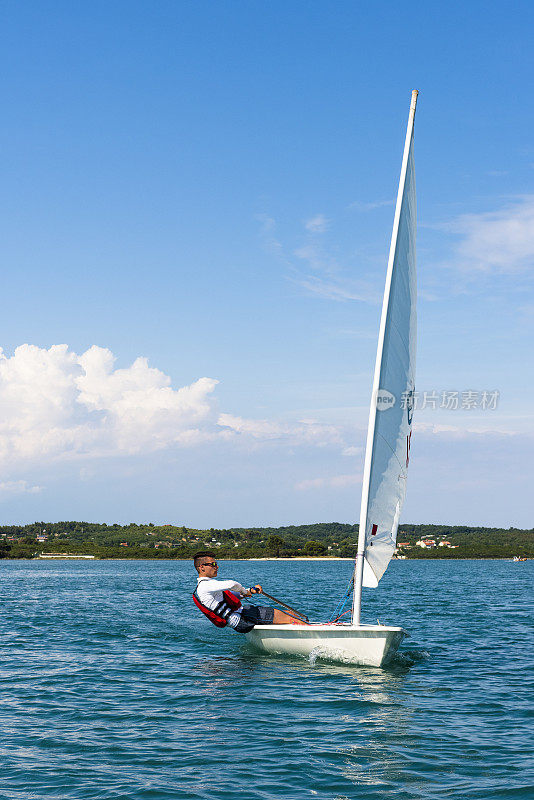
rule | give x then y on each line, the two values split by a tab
405	475
401	338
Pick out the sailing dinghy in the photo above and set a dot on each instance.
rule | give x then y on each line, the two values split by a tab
386	457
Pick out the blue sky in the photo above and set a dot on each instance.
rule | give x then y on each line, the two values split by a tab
209	186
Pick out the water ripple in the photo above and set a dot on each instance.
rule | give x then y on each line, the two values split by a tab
114	687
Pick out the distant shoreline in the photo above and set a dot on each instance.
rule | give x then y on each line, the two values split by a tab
293	558
321	541
271	558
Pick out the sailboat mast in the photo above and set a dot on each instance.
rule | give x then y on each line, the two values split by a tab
362	534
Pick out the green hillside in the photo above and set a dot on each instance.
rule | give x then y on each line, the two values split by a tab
318	539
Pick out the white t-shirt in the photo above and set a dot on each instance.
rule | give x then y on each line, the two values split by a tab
210	593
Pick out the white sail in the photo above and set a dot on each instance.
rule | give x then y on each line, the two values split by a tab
390	419
386	458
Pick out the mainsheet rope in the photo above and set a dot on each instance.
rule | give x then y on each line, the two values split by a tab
339	612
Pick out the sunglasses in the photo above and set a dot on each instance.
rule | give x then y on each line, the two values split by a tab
210	564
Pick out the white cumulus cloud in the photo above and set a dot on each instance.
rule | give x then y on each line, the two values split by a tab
57	403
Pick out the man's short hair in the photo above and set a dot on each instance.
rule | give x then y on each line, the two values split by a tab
198	557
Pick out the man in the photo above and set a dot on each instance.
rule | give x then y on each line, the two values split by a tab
212	598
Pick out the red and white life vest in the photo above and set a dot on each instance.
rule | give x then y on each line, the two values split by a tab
219	615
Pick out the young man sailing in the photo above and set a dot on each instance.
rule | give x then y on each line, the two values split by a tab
220	600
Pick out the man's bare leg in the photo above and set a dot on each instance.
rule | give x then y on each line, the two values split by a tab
281	618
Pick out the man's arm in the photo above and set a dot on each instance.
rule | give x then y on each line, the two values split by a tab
214	585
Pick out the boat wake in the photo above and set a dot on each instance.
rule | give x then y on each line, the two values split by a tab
407	658
332	654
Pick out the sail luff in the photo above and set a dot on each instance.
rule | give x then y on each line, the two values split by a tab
371	430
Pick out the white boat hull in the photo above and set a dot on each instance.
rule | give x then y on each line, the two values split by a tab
369	645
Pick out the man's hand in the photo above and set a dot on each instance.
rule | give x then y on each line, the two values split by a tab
255	590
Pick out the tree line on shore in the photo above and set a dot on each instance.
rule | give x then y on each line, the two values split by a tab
333	539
